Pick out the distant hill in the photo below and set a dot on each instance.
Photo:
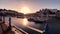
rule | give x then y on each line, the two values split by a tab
5	12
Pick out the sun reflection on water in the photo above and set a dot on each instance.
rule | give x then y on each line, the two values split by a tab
25	22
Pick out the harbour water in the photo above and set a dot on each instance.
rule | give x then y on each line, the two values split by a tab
54	28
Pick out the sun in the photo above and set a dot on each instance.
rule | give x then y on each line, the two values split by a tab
25	10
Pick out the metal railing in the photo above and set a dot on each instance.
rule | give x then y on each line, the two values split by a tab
2	22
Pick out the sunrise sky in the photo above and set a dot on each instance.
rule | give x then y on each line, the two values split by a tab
32	5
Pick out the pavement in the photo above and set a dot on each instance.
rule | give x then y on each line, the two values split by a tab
14	31
3	28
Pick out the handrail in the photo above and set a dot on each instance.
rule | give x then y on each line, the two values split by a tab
20	30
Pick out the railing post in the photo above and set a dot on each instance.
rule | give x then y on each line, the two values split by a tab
46	29
3	19
10	23
1	23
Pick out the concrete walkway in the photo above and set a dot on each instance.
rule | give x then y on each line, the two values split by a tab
14	31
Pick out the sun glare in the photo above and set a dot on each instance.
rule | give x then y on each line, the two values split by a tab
25	10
